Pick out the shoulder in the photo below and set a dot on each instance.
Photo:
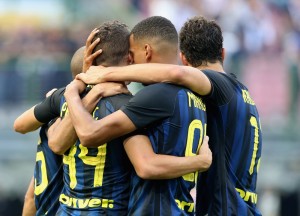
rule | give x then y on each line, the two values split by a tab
160	97
159	90
116	99
223	86
160	93
216	75
113	103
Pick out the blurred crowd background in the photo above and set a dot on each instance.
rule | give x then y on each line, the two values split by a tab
262	40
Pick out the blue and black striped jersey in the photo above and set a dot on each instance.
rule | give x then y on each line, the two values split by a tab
97	180
229	186
176	122
48	177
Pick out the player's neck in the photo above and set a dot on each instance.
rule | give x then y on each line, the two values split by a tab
212	66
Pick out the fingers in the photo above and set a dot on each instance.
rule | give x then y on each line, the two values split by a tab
205	154
90	37
89	46
80	76
205	140
89	49
89	56
204	146
84	78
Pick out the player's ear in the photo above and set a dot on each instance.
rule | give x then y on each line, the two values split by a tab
148	52
183	59
129	59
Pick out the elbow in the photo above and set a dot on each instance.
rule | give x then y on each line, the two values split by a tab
93	136
86	137
145	172
57	151
177	74
85	140
19	127
55	148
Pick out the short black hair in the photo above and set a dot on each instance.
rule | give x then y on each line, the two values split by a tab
155	27
201	41
114	41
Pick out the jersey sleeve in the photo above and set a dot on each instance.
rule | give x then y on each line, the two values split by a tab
49	108
152	103
222	90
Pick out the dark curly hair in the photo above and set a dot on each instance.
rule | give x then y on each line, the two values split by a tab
201	41
114	41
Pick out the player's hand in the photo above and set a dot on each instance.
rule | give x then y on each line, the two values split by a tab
205	154
94	75
110	88
75	85
89	56
49	93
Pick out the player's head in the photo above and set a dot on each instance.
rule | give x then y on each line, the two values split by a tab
114	41
155	40
201	42
77	61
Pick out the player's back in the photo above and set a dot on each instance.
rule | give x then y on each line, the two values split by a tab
97	179
48	175
236	143
178	123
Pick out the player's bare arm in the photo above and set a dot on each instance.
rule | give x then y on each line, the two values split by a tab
149	165
27	121
187	76
63	135
29	208
91	132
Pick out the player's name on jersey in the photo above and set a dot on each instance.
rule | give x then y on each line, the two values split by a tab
183	205
196	101
85	203
247	98
247	195
65	111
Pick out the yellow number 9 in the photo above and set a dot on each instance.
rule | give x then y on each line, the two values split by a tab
195	124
